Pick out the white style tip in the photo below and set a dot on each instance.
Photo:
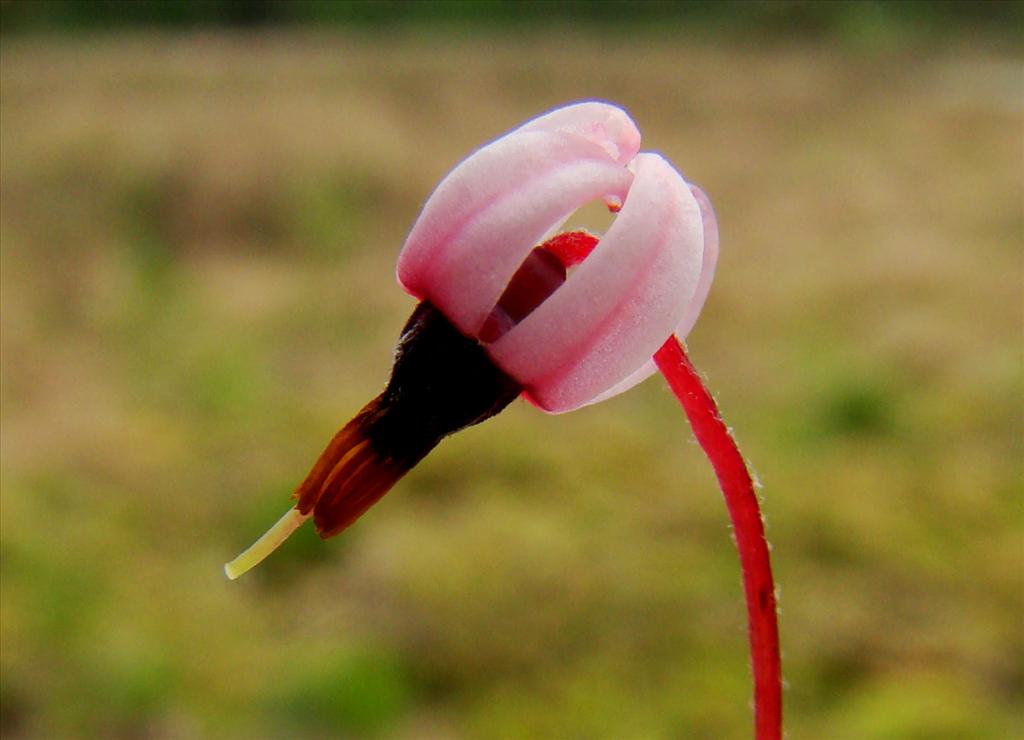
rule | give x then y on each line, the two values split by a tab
266	544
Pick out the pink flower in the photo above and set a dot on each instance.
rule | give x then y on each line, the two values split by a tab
647	278
500	316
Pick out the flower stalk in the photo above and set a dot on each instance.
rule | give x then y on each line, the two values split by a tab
748	526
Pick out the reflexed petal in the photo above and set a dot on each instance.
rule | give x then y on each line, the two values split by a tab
620	304
707	274
483	219
708	263
602	123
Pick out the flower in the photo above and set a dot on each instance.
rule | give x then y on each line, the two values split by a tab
500	315
648	277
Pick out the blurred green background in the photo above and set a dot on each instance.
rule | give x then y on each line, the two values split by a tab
201	208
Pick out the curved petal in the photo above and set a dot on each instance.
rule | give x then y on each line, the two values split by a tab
482	220
619	306
602	123
708	263
693	309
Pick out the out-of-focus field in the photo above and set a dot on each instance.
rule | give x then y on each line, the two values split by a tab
198	239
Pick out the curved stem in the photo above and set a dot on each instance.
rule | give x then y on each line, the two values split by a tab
744	510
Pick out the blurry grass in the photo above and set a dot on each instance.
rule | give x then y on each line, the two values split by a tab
198	240
350	694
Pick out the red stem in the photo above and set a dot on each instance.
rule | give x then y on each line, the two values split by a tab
744	510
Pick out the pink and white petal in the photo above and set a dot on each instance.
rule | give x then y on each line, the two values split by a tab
619	306
482	220
693	309
603	123
633	379
708	263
